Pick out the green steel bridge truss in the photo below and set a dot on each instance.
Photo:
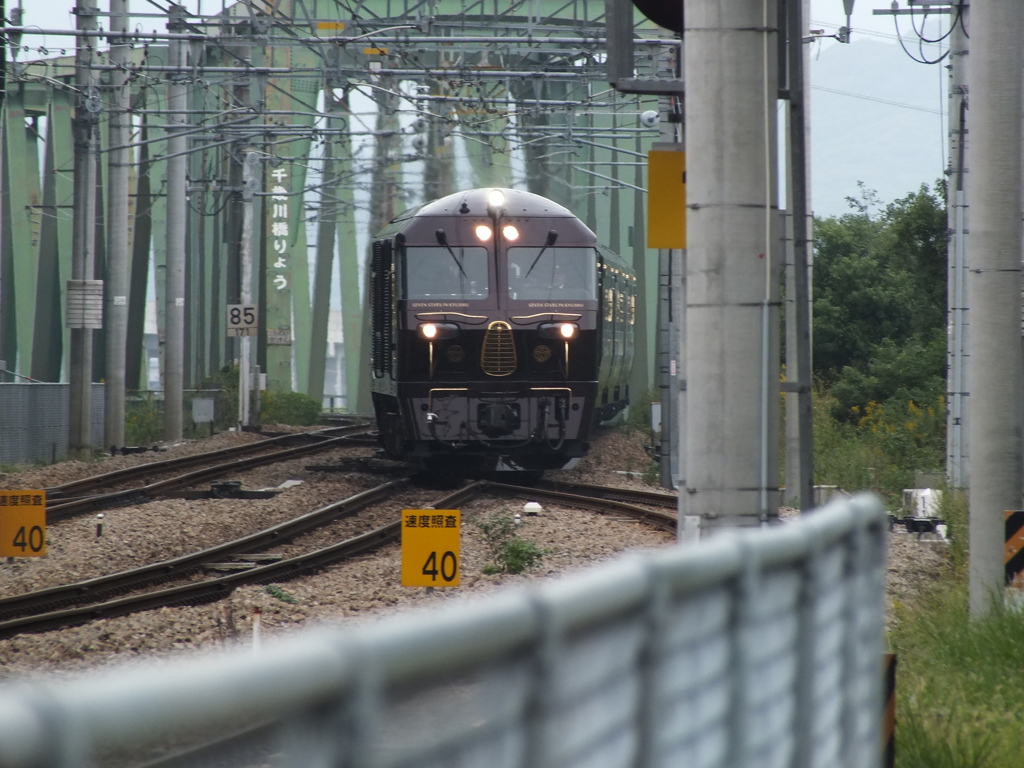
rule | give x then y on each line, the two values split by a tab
357	111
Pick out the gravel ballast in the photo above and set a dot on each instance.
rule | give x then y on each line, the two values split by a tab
355	590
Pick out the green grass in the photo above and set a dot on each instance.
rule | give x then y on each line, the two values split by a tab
960	683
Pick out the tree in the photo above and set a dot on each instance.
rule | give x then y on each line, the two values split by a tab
880	300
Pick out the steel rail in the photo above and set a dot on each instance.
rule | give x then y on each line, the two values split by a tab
103	587
128	473
217	588
662	520
631	495
78	506
202	592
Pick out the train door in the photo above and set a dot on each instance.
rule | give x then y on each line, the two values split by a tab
604	350
382	317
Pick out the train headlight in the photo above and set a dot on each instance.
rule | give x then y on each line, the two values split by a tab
564	331
483	232
510	233
436	331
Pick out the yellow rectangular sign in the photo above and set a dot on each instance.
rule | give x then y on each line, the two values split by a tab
330	25
666	196
22	523
430	547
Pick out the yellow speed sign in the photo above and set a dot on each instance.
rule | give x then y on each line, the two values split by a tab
430	547
23	523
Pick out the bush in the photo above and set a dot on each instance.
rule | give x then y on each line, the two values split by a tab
878	447
509	553
292	408
143	421
640	411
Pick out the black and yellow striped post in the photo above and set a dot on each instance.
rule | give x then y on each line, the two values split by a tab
889	710
1013	552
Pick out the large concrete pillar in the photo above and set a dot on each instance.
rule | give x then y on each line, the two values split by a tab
732	300
994	287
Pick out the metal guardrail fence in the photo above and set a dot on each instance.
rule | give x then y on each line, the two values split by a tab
758	648
34	420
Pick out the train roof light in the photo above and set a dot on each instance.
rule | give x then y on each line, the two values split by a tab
510	233
483	232
495	200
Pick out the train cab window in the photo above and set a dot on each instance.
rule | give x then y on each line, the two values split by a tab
436	272
552	273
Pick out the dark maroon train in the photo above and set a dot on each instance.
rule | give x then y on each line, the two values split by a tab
501	333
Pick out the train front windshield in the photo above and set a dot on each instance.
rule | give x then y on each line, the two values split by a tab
436	272
552	274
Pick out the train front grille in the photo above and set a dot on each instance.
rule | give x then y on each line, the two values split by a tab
498	354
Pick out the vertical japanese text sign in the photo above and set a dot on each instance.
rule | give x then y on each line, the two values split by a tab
430	547
22	523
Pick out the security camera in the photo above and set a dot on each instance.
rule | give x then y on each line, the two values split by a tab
419	143
649	119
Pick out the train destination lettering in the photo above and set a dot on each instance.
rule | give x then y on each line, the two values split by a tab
559	304
439	304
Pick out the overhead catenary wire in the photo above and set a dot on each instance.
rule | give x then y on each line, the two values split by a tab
505	118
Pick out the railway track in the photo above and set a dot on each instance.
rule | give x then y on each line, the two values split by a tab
629	495
85	601
67	503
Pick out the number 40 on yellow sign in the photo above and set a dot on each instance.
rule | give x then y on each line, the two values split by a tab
430	547
22	523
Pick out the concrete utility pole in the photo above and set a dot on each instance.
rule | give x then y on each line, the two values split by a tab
327	221
15	19
249	185
799	431
81	288
116	285
732	301
994	188
177	145
958	417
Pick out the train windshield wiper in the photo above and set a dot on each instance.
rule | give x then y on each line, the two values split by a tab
552	237
442	239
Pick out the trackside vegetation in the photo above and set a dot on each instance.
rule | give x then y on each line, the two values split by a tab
879	342
508	551
144	419
960	683
880	416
